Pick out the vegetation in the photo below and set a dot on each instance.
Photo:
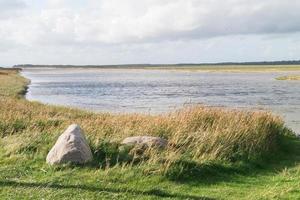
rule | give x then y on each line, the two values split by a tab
212	153
289	78
227	67
12	85
233	68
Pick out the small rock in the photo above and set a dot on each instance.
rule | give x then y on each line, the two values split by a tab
148	141
71	146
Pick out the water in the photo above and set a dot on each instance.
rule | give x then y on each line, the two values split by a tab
157	91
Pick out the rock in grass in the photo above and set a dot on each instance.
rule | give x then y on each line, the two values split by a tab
146	141
70	147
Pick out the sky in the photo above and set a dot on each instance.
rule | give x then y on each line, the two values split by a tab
148	31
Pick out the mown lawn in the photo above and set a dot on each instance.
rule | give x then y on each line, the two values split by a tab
205	171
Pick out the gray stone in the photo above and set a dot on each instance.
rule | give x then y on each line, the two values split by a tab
70	147
147	141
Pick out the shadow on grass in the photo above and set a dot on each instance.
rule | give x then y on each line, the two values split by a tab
185	171
153	192
213	172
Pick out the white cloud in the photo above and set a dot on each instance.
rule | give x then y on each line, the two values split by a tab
10	8
110	24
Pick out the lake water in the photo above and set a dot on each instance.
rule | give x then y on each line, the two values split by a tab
158	91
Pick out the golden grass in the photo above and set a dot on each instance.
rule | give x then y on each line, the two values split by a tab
229	68
12	84
289	78
195	133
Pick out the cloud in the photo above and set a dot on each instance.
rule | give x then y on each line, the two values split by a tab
11	5
114	21
113	24
181	19
10	8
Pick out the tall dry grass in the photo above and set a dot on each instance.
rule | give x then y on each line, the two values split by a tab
289	78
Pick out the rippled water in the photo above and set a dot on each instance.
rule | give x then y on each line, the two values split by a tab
156	91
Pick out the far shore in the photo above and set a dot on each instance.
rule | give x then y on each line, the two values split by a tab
189	68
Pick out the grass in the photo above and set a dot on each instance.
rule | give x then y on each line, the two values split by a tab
229	68
212	153
187	67
289	78
12	85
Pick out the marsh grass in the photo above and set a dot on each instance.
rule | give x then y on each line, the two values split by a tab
227	68
289	78
202	141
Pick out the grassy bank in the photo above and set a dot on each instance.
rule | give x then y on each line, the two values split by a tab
289	78
231	68
183	67
212	153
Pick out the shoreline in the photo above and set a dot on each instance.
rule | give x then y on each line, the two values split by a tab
219	68
167	110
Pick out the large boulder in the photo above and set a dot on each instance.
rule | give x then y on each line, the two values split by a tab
145	141
70	147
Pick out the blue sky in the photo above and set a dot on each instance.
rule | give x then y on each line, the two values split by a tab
148	31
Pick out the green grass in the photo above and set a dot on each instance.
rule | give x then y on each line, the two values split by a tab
213	153
27	178
289	78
